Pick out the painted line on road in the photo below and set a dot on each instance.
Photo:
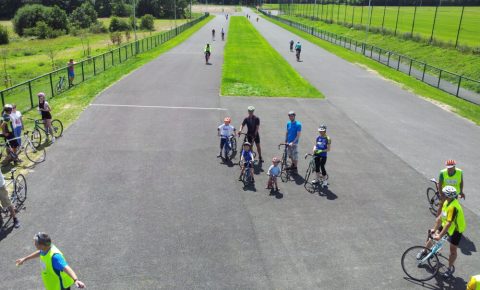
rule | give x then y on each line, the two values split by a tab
158	107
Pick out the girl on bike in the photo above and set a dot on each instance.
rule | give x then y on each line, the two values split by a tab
273	173
246	158
322	146
45	109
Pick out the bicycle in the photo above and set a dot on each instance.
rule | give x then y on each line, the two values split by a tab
427	265
433	196
207	57
223	36
313	186
297	54
36	135
60	87
286	170
34	154
230	148
19	193
247	177
245	139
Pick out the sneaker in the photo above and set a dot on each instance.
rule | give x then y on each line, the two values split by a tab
448	273
240	178
18	160
315	181
421	255
53	139
16	223
276	189
324	183
261	160
219	155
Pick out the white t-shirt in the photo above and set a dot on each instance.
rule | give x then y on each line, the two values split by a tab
16	121
2	180
226	130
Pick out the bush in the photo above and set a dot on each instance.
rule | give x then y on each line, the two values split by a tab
116	37
84	16
43	31
121	9
147	22
28	16
3	35
117	24
132	22
98	27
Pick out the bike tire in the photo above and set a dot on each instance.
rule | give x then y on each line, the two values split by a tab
20	188
36	155
234	144
36	138
423	272
57	128
433	199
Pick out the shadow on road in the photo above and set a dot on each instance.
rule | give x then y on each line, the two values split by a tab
327	193
467	246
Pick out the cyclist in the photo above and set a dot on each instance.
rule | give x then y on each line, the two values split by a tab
7	203
450	176
322	146
223	34
213	34
291	45
224	131
18	124
452	223
45	109
245	158
56	273
8	133
273	172
71	72
298	49
292	136
474	283
253	125
208	51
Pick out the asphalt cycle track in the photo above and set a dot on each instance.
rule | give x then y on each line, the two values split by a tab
135	198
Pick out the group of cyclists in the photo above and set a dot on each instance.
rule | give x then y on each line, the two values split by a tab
293	130
298	48
207	50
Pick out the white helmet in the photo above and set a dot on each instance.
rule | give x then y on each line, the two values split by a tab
449	191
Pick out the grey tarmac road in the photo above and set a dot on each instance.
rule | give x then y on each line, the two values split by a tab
136	199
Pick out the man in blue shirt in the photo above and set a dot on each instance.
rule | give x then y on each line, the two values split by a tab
292	136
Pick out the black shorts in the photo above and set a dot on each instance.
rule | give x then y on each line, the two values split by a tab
13	142
455	238
250	139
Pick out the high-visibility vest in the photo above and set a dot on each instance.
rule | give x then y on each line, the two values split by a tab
454	180
474	283
52	280
458	224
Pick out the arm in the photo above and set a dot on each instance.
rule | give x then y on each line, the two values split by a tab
33	255
257	126
329	144
462	195
296	138
72	275
440	183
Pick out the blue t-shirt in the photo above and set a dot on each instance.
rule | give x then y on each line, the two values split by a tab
322	144
58	262
292	129
247	155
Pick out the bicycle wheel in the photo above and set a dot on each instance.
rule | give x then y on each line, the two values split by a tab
35	155
234	144
417	270
284	176
20	188
433	199
36	138
57	128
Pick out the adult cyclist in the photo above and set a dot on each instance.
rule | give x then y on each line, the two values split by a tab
452	176
223	34
452	223
207	50
320	149
213	34
298	49
291	45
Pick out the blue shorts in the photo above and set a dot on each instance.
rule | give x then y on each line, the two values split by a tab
71	74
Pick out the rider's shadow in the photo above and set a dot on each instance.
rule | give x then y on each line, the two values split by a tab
330	195
467	246
258	168
276	194
299	180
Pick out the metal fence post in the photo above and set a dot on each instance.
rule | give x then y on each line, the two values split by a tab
435	20
459	27
30	92
424	68
458	87
119	55
113	60
3	98
410	68
104	67
398	64
83	73
439	78
51	85
94	67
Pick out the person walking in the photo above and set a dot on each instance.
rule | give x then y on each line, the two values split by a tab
56	273
253	125
17	123
71	72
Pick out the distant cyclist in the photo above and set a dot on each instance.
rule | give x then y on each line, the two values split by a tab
298	49
213	34
291	45
450	176
223	34
207	50
322	146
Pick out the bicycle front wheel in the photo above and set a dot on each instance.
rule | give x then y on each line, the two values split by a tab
415	268
57	128
36	155
433	199
36	138
20	188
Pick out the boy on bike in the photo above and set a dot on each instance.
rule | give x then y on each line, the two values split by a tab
298	49
207	50
246	158
225	131
273	172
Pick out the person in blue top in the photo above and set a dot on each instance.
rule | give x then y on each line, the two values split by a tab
292	136
298	49
246	158
322	146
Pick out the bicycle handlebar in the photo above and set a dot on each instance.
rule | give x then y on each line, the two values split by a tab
283	144
308	154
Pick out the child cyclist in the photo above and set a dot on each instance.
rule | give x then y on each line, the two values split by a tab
224	131
273	173
322	146
246	158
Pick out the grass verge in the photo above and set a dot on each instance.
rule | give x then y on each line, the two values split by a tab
457	105
253	68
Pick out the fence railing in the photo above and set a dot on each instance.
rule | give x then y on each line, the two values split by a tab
452	83
24	94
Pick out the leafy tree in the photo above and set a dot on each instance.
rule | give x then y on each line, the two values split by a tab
57	18
117	24
3	35
120	8
147	22
84	16
28	16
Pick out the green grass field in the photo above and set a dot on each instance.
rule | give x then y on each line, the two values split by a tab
253	68
27	57
446	26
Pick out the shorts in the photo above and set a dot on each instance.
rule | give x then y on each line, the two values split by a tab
13	142
71	74
292	152
250	139
4	199
455	238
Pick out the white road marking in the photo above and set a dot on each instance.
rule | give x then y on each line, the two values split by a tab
158	107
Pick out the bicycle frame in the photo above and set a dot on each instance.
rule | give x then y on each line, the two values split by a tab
437	246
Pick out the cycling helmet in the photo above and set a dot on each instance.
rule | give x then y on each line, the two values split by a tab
322	128
41	95
450	163
449	191
251	108
275	160
7	107
292	113
227	119
42	239
247	143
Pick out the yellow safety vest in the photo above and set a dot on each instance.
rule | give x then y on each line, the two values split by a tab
458	224
474	283
52	280
454	180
